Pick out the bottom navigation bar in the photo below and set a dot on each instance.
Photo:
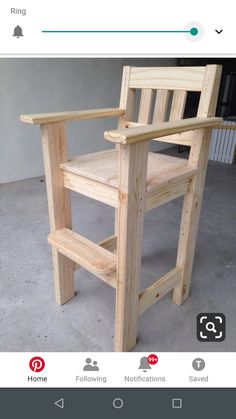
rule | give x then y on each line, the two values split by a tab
123	403
100	369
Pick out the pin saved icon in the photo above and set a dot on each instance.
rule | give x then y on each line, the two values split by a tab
60	403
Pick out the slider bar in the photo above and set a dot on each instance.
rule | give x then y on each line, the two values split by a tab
192	31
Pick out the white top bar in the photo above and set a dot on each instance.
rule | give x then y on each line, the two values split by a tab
36	17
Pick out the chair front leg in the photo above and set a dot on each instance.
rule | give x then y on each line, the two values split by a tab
132	190
54	144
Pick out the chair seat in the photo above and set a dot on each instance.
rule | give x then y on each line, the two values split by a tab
103	167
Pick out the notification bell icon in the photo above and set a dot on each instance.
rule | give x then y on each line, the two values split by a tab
144	365
18	31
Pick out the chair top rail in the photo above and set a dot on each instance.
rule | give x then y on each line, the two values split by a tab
170	78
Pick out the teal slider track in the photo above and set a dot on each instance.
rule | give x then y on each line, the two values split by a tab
192	31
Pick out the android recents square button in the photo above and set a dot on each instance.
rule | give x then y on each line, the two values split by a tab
177	403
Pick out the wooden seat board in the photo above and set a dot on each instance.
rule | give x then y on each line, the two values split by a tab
103	167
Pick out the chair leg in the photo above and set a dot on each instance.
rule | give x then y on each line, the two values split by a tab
63	269
54	143
190	215
133	166
187	243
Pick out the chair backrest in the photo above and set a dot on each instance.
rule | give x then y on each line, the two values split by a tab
158	94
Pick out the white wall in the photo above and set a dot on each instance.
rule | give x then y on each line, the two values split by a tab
31	85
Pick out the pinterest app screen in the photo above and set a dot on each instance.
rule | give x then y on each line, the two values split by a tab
117	209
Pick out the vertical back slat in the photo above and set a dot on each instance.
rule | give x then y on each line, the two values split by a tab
178	105
161	106
145	106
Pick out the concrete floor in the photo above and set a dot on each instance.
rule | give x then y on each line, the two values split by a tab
30	320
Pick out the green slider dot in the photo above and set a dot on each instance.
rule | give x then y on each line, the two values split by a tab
194	31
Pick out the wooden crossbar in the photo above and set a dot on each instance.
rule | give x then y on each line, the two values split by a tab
166	193
153	293
91	188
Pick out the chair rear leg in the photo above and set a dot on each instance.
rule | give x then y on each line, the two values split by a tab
54	143
133	169
187	243
190	214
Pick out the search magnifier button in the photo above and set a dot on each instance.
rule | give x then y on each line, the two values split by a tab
210	326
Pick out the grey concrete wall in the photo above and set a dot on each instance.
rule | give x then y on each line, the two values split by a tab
31	85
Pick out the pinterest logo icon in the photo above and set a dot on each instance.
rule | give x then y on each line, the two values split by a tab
37	364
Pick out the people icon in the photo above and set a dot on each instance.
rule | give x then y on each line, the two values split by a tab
144	364
89	366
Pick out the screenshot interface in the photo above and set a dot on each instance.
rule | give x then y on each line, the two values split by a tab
117	209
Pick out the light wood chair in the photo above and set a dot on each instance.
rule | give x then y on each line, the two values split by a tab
131	180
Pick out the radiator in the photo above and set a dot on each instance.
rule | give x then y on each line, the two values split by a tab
223	143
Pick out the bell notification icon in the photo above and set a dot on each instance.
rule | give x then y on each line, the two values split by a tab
18	32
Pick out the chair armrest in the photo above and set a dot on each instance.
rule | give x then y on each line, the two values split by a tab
148	132
47	118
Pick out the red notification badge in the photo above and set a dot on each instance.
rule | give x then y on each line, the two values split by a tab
152	359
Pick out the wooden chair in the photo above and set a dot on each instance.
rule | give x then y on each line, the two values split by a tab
131	180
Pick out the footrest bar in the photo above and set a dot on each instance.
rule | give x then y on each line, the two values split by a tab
110	243
85	253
